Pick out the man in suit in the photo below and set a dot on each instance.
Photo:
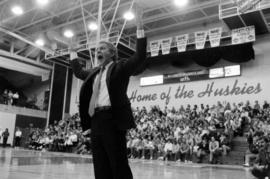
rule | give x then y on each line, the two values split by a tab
104	105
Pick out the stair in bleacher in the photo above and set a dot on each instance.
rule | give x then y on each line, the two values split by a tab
237	154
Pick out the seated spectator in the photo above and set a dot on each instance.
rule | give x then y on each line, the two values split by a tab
262	162
175	150
144	147
252	151
203	150
169	134
184	151
151	147
160	147
214	150
190	142
168	148
224	144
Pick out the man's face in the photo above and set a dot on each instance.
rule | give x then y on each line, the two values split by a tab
103	53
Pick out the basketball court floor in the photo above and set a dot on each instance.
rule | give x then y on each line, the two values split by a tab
24	164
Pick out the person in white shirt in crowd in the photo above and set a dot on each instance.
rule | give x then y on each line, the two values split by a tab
151	147
15	98
140	147
68	143
168	150
10	97
74	138
175	150
134	144
18	137
144	147
190	142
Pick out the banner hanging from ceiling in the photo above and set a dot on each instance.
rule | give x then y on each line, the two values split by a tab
154	48
243	35
200	39
166	45
181	42
215	36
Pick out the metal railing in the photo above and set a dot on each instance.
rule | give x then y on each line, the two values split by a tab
23	111
124	40
228	8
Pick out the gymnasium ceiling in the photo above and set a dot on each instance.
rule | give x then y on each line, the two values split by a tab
160	17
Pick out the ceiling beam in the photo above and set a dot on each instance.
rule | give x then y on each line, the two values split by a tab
202	19
146	20
27	60
168	15
45	49
57	14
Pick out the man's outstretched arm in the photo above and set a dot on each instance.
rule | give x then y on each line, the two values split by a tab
134	62
76	66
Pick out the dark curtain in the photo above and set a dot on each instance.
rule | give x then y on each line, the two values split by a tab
238	53
206	57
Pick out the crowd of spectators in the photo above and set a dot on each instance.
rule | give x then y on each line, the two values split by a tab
188	134
12	97
9	98
258	136
192	133
63	136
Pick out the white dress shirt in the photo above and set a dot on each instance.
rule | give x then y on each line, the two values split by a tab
103	98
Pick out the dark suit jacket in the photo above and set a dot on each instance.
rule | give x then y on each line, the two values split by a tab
117	82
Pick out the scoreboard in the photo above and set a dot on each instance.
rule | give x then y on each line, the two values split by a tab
196	75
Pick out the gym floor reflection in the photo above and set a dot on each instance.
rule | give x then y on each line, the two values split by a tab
24	164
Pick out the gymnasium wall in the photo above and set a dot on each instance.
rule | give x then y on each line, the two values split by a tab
11	121
38	90
7	120
253	84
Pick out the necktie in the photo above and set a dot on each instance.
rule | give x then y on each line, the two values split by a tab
94	96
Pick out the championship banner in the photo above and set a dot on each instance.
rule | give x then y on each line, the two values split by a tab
243	35
154	48
166	45
200	38
251	34
181	42
215	36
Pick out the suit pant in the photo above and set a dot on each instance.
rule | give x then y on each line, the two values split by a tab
109	148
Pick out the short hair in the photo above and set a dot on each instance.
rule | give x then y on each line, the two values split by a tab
112	48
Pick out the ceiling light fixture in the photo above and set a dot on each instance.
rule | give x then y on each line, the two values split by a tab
93	26
42	2
129	15
68	34
40	42
180	3
17	10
